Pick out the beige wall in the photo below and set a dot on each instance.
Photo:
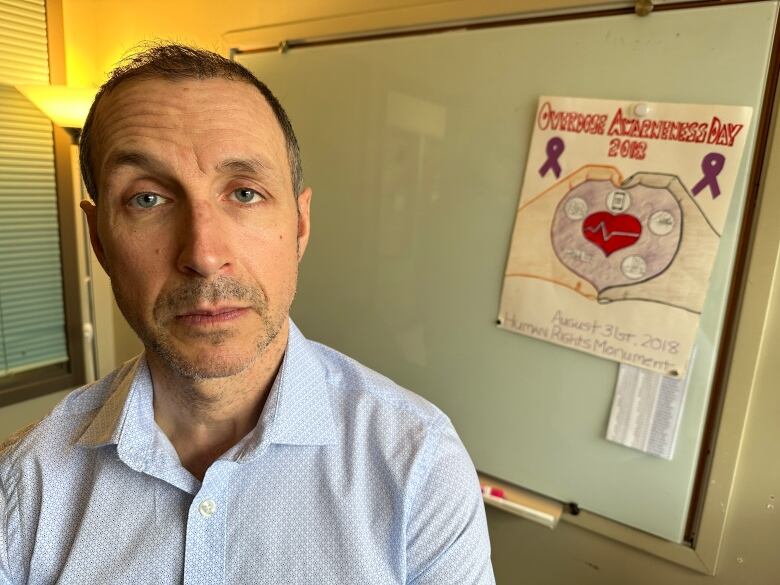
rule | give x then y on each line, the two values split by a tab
97	32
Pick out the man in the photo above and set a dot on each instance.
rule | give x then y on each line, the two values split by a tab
233	450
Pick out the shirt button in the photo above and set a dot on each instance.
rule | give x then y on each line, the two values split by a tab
207	508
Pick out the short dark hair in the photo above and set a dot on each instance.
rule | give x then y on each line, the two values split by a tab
173	61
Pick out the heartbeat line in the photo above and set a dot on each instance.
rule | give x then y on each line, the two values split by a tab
607	235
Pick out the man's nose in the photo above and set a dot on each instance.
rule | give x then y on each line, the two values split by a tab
204	247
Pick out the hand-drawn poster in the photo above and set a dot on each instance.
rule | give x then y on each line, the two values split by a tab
619	221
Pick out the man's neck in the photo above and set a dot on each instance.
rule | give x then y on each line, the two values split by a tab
204	418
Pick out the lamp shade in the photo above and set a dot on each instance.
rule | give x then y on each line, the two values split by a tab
65	106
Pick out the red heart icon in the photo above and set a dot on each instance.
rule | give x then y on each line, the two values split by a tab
611	232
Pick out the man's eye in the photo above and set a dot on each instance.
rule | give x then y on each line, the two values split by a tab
147	200
245	195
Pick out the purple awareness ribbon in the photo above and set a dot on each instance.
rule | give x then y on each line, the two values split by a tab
554	149
711	166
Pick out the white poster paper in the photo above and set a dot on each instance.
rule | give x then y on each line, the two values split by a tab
618	225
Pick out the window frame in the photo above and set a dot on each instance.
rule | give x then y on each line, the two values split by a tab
37	382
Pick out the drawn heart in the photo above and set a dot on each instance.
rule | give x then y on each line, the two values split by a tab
611	232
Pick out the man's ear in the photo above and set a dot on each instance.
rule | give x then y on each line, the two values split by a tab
91	212
304	220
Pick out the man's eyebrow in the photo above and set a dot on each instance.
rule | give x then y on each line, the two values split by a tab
246	166
132	158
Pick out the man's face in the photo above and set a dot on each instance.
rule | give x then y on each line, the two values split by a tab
196	222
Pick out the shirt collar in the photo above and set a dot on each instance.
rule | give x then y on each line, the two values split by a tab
297	411
106	427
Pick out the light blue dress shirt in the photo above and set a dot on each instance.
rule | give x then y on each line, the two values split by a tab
347	478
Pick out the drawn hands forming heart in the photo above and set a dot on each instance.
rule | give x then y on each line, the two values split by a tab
616	237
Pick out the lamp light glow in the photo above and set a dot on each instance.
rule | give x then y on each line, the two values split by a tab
65	106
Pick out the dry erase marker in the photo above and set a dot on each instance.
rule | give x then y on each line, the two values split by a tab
489	490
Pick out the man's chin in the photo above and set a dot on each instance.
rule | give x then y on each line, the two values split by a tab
206	364
209	370
221	354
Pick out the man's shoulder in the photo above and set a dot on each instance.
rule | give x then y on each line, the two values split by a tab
61	428
360	389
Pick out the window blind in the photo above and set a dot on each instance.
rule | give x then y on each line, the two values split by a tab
32	317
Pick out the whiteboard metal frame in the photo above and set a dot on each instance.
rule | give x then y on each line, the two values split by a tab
441	16
746	322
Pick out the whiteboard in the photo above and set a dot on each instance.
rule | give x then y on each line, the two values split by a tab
415	148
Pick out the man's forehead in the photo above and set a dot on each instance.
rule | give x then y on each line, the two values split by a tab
151	107
182	94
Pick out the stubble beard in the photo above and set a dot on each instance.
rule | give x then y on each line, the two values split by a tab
157	339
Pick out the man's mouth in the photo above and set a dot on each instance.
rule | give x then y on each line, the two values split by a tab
212	315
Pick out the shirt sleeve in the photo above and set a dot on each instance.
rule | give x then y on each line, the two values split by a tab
447	537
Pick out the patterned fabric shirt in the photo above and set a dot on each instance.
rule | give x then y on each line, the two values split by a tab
346	478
